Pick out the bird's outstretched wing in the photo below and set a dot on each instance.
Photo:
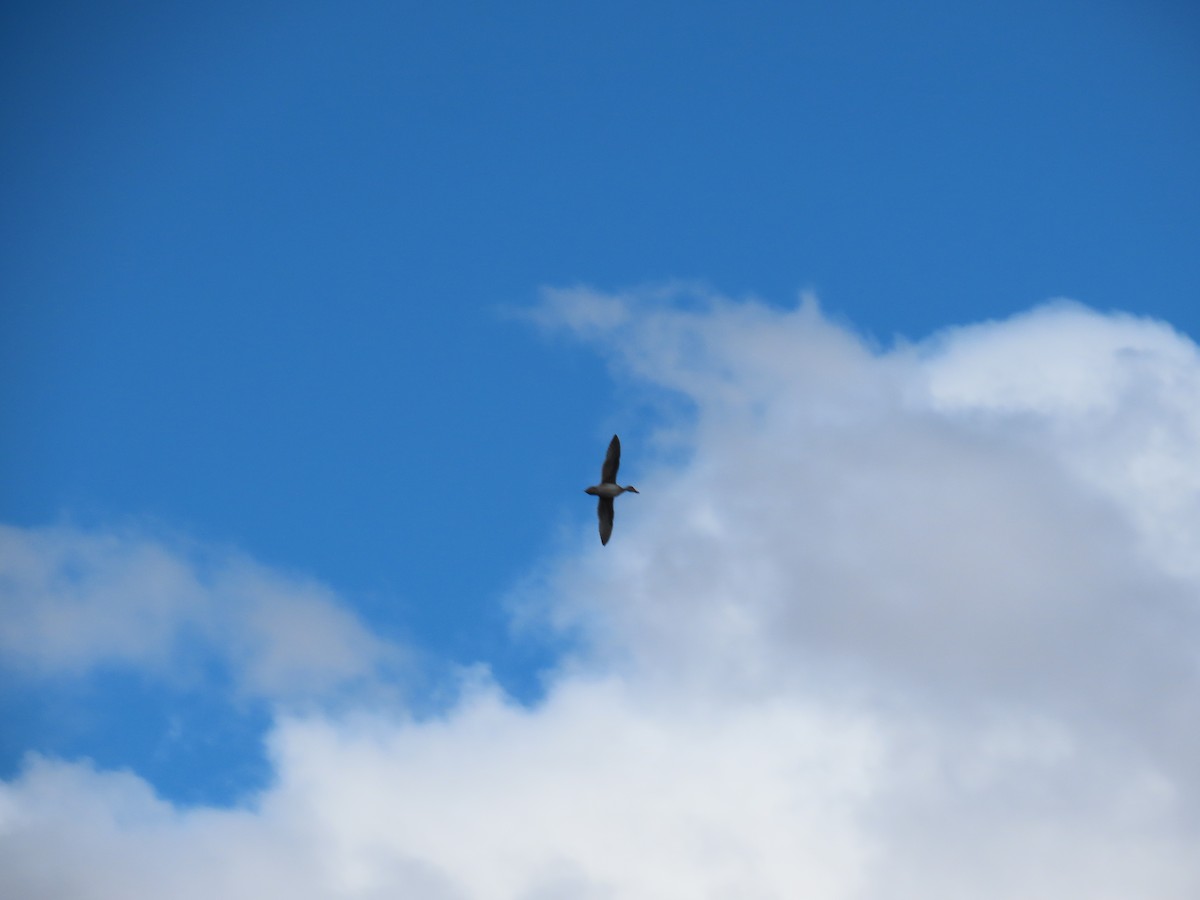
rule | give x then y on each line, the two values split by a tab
604	509
608	472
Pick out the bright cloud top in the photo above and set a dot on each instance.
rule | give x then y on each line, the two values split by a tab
911	623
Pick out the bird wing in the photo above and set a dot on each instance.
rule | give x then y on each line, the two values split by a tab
608	472
604	509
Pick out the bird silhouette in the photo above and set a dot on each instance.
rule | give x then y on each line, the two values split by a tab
608	488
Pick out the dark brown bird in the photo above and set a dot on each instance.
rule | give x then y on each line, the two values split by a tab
608	488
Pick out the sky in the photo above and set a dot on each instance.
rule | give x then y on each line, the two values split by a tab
318	318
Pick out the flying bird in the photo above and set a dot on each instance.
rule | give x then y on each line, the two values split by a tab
608	488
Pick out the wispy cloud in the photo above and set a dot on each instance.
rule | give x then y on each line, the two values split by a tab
917	622
74	600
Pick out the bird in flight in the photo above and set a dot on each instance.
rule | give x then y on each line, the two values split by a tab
608	488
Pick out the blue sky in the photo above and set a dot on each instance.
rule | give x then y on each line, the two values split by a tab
269	271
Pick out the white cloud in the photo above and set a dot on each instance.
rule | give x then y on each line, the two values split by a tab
1117	396
907	624
74	600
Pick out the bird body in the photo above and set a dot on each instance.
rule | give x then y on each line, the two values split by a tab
608	488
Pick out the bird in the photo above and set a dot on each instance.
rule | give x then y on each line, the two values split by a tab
608	488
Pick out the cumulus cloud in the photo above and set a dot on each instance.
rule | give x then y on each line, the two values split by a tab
917	622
